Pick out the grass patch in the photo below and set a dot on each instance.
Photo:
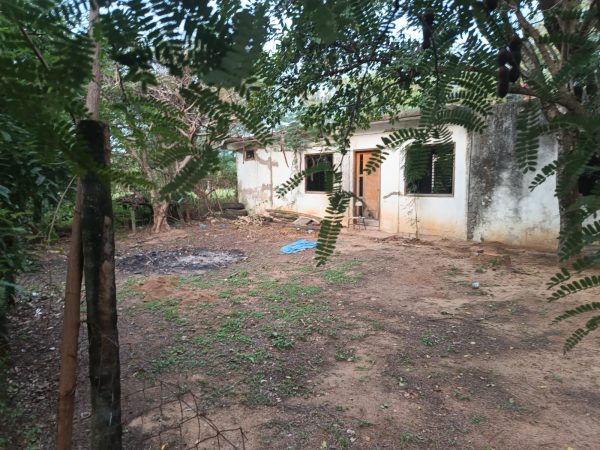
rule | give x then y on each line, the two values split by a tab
127	289
406	438
462	396
376	325
431	340
168	307
361	423
344	353
195	281
226	295
476	419
281	342
239	279
338	276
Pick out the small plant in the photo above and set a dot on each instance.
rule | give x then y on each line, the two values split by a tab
462	397
340	408
339	276
168	306
127	289
238	280
359	336
430	340
237	300
478	419
343	353
376	325
556	377
195	281
480	269
256	356
406	438
361	423
227	294
281	342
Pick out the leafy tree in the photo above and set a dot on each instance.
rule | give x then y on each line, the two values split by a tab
46	63
162	129
368	59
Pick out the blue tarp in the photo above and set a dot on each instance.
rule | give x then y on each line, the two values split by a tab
298	246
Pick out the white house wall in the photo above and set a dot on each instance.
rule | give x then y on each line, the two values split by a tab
491	199
442	215
259	178
501	206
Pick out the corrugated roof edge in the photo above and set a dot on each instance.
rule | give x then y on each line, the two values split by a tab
241	143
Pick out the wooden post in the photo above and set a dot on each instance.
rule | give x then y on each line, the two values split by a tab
99	270
132	218
67	382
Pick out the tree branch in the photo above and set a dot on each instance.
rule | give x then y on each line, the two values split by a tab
545	50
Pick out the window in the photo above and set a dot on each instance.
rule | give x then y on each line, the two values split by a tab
315	182
429	168
248	155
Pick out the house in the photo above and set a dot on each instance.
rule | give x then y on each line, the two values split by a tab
483	196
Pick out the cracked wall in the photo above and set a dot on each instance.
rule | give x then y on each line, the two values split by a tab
501	206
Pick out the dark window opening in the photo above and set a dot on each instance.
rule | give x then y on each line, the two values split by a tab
589	180
248	155
429	168
316	182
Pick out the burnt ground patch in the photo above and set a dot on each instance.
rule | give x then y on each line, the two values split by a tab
177	260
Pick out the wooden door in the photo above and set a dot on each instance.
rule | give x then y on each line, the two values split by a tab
367	187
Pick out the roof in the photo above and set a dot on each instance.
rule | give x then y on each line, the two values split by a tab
248	142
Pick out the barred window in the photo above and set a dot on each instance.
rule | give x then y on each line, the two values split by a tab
316	182
429	169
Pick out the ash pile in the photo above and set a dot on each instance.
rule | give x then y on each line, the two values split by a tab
178	260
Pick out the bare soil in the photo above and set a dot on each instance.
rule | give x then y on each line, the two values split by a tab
387	347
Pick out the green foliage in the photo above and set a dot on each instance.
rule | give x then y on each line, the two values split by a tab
578	335
526	146
349	66
46	63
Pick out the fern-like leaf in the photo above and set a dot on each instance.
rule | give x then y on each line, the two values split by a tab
573	287
581	309
581	333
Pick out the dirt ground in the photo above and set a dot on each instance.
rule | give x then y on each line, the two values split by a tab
387	347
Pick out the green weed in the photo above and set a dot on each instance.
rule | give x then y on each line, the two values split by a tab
127	289
238	280
477	419
226	294
168	307
407	438
462	396
343	353
429	339
196	281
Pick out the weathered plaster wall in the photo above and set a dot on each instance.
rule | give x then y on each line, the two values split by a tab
491	198
500	206
442	215
258	179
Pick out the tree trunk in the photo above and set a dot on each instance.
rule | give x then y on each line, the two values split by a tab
132	218
570	221
99	270
92	101
70	339
160	209
10	291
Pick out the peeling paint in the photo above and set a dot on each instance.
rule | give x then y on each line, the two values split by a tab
491	199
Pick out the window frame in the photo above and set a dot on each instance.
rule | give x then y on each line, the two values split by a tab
308	155
417	194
